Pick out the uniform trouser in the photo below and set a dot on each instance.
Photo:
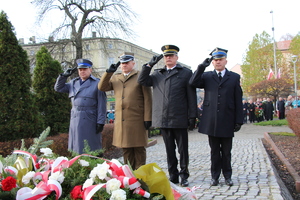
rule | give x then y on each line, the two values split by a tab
173	136
135	156
220	156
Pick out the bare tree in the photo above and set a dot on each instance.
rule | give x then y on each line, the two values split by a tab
109	18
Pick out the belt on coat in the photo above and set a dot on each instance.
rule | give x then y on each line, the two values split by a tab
84	108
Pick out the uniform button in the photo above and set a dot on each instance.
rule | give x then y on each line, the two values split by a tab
218	103
122	97
218	110
124	87
123	120
219	95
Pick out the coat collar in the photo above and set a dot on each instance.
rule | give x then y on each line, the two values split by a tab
121	77
225	77
162	70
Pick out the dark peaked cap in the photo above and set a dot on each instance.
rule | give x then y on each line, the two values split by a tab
169	49
218	53
84	63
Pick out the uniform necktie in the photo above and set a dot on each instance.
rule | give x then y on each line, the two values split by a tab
220	76
169	70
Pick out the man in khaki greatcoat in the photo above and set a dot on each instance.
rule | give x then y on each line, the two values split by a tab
132	111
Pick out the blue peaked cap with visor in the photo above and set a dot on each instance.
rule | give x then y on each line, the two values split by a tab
84	63
218	53
126	57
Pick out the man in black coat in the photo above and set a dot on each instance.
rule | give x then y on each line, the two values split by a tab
251	109
269	110
281	108
174	108
222	111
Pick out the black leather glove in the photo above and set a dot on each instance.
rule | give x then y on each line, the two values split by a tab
237	127
99	128
69	72
155	60
113	67
147	124
192	122
206	62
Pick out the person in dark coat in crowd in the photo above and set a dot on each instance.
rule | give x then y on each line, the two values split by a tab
88	112
245	111
251	109
222	111
133	110
269	109
281	108
174	108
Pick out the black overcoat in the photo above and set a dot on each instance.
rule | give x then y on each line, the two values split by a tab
174	100
222	105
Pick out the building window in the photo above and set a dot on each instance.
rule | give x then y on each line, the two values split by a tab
32	52
87	47
110	46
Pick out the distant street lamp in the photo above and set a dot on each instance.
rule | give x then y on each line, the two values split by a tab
294	60
274	46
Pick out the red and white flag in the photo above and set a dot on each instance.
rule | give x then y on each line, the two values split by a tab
279	73
270	74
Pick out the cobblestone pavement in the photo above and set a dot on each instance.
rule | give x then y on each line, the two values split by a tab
253	175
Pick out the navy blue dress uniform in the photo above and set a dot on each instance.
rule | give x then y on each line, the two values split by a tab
174	106
222	113
88	108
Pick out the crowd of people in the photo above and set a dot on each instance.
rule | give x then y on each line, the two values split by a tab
263	109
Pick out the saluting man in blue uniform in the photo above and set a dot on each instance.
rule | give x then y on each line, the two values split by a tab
88	112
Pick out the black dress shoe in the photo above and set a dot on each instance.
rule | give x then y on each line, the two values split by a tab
184	183
214	182
175	181
229	182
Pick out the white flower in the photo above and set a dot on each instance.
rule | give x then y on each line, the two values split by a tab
26	179
87	183
101	171
84	163
118	195
46	151
112	185
58	176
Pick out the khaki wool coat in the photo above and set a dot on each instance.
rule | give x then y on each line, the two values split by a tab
133	106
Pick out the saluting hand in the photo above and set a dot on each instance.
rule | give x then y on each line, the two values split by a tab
69	72
155	60
113	67
206	62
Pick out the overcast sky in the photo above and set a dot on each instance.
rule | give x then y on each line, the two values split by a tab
195	26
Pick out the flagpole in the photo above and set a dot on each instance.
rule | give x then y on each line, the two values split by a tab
274	46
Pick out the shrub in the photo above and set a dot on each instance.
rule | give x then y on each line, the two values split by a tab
293	118
60	144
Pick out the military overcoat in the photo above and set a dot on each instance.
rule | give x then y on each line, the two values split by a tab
88	110
133	106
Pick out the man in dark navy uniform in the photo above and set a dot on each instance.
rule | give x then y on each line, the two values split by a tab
222	111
